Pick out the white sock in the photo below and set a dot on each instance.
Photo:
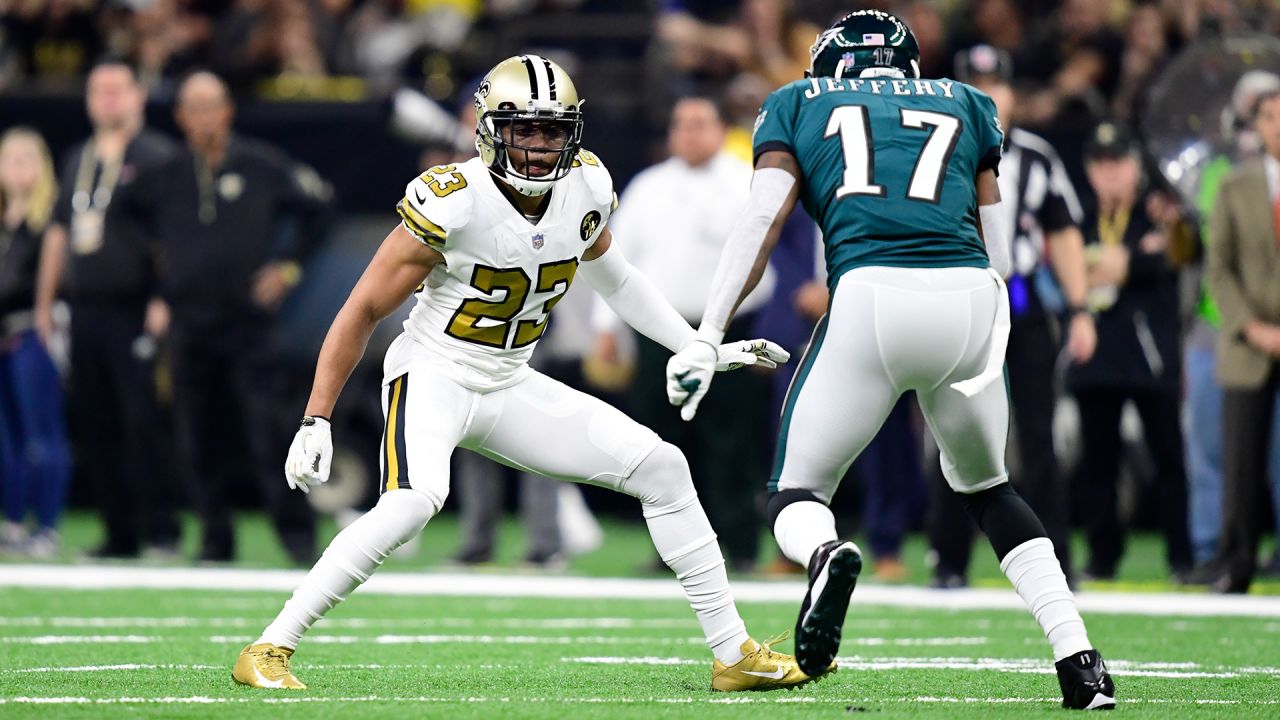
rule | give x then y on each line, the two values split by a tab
1037	575
684	538
802	527
349	561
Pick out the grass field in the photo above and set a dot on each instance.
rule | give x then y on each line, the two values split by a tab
590	648
167	653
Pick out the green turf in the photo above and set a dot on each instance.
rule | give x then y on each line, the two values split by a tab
627	551
485	658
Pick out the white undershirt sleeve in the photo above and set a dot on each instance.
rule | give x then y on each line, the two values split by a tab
636	300
996	234
769	190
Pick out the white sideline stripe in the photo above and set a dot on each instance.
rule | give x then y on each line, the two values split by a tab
739	700
1122	667
332	639
360	639
1125	667
450	584
241	622
131	667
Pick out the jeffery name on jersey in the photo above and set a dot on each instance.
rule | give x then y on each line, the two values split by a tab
483	309
888	165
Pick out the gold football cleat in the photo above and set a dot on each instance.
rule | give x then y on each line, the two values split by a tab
266	666
760	669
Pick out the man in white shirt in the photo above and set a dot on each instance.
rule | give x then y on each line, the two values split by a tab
673	221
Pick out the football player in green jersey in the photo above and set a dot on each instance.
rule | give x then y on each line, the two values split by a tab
900	173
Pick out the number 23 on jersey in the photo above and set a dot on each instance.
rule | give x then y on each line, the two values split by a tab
489	322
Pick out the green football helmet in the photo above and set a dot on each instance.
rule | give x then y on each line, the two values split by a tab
865	43
522	90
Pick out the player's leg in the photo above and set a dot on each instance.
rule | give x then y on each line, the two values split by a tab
546	427
837	402
425	417
971	434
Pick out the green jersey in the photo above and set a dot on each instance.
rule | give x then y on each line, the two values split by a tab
888	166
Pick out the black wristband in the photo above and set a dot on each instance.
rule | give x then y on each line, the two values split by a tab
309	420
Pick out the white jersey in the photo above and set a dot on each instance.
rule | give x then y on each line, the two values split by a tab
483	310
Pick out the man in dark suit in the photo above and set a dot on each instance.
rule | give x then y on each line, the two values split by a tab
1134	291
1244	276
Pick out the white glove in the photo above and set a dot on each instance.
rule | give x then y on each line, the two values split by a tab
689	374
310	455
689	371
731	356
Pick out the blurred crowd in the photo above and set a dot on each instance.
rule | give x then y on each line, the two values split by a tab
1143	367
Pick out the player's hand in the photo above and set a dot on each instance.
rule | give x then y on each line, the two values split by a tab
689	374
310	455
731	356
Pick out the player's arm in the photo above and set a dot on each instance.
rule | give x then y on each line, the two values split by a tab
631	295
638	302
994	223
775	186
400	266
397	269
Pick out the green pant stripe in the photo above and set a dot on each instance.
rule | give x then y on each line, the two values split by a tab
793	392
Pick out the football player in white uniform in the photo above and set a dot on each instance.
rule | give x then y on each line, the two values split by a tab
489	246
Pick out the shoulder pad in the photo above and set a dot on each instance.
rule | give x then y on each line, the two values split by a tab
596	176
436	203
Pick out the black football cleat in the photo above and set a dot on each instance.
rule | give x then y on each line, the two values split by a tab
833	572
1086	684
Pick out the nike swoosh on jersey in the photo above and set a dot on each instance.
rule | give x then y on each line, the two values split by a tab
418	194
775	675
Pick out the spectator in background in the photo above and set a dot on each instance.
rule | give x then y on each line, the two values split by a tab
1133	288
673	220
108	266
260	39
1081	65
1146	50
777	40
1204	394
767	39
169	39
1002	24
55	42
1046	291
1244	254
233	219
929	26
35	460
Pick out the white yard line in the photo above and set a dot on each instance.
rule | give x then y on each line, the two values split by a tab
448	584
609	623
1127	668
331	639
485	639
134	667
1120	667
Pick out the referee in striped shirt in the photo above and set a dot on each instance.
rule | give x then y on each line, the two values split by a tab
1047	296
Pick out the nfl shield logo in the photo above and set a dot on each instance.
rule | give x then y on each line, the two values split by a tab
538	241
